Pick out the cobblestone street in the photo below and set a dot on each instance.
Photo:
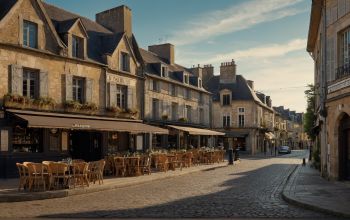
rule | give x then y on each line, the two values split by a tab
249	189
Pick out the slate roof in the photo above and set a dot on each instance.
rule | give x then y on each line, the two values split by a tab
175	71
240	89
100	40
6	5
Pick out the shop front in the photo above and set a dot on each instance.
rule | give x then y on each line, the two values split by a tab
37	136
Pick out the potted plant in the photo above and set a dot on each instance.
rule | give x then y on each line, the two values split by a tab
113	111
44	103
165	117
16	101
89	108
72	106
183	119
129	113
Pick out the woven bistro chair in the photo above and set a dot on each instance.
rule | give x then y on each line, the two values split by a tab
36	175
80	174
187	159
59	175
162	163
133	166
95	171
119	166
23	176
145	165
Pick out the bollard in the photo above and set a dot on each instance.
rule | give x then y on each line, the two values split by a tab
304	162
230	156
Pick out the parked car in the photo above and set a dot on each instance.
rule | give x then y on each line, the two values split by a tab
284	150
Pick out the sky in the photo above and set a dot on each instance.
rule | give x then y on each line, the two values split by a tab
266	38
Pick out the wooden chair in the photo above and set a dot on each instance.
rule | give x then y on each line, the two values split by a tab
23	176
80	174
187	159
162	162
59	175
36	175
133	166
145	165
120	166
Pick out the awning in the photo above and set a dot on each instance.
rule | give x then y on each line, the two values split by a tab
236	134
196	131
76	122
270	135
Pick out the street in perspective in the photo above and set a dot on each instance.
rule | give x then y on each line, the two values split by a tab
175	109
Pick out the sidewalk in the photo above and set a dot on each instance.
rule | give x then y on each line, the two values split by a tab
307	188
9	192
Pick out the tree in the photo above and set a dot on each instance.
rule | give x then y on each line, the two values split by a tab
310	116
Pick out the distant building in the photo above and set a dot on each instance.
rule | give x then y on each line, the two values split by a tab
174	98
247	118
328	44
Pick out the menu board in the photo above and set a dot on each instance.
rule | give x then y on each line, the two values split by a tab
4	140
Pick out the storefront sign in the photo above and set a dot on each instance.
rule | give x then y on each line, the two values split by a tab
80	126
4	140
339	85
117	79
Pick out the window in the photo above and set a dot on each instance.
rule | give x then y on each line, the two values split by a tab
125	62
344	56
78	89
155	108
29	140
201	116
186	79
188	112
30	34
31	83
226	100
172	89
226	121
187	93
121	96
164	71
174	111
156	86
240	110
240	120
76	46
201	99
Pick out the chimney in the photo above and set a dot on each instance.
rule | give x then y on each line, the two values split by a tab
207	72
117	20
166	51
228	72
251	84
197	71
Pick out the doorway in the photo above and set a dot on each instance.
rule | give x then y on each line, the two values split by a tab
344	148
85	145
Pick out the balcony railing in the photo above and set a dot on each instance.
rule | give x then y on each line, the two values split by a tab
343	71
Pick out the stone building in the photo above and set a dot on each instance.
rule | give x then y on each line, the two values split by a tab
176	99
328	43
238	111
68	84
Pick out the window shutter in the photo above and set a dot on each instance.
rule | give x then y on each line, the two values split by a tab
44	84
159	86
69	87
161	108
170	110
112	95
150	84
332	58
89	83
150	114
130	98
16	80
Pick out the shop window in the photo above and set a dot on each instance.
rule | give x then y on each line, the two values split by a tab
54	140
121	96
112	142
30	34
31	83
78	89
27	140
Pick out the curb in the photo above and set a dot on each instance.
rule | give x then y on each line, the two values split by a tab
22	197
289	199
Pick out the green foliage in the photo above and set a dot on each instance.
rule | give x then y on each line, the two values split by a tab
310	116
183	119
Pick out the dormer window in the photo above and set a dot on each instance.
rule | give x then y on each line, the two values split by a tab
125	62
30	34
186	79
226	99
164	71
77	47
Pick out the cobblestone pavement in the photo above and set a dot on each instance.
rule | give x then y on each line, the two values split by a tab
249	189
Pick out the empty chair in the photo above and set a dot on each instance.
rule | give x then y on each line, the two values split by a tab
80	174
120	166
145	165
23	176
58	175
36	175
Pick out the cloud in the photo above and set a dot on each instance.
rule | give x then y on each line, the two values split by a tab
235	18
